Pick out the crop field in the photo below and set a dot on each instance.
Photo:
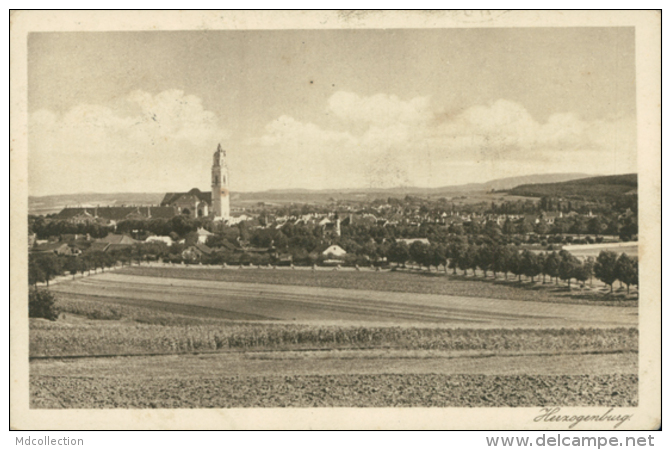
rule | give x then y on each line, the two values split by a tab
418	282
205	338
272	302
88	338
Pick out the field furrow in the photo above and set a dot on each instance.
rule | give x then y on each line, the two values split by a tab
256	301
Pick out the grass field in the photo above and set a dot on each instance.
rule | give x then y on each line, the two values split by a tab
419	282
630	248
304	304
139	338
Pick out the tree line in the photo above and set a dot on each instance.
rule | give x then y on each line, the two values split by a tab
457	255
508	260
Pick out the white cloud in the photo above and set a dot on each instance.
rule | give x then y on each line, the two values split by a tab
425	144
163	142
379	109
286	130
145	143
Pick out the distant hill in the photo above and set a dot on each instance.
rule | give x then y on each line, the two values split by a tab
54	203
498	184
50	204
610	187
511	182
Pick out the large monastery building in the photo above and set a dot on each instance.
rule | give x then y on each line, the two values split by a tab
214	204
193	204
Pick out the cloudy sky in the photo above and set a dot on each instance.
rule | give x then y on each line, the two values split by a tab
144	111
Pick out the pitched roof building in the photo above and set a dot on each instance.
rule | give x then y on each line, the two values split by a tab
113	214
203	204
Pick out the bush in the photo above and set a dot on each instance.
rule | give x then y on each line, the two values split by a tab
555	239
42	303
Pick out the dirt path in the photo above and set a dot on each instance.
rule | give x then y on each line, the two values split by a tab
338	362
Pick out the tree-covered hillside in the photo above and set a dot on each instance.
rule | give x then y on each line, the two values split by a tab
620	190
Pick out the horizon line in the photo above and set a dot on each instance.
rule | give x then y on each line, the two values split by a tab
363	188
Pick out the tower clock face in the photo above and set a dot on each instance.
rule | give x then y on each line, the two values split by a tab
224	192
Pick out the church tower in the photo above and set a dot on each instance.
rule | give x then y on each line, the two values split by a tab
221	208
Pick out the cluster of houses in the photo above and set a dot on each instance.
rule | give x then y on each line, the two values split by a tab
173	204
76	244
334	222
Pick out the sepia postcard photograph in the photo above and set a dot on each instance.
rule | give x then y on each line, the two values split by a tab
335	220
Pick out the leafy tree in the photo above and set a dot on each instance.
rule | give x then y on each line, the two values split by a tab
515	264
605	268
96	259
583	272
498	259
551	265
471	257
493	231
567	266
438	256
35	273
466	258
485	258
42	303
541	261
579	226
370	249
541	228
49	265
73	265
508	227
629	228
182	225
560	226
455	251
456	228
596	226
634	276
524	227
530	264
108	260
589	268
625	270
419	253
474	227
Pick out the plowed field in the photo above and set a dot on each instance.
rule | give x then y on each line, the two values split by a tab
207	340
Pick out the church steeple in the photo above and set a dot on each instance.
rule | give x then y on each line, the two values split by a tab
219	157
220	197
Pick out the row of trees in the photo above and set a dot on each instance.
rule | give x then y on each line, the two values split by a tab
456	255
44	267
607	267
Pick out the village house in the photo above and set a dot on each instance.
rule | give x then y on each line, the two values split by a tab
196	252
111	215
203	234
334	251
167	240
58	248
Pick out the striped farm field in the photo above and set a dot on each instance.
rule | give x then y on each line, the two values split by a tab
253	302
206	338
